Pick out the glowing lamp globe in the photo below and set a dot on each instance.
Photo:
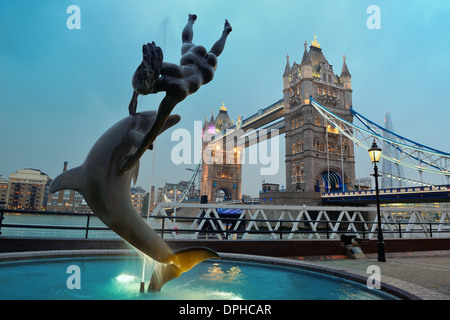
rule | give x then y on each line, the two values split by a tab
375	152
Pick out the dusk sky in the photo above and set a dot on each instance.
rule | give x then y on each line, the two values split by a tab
61	88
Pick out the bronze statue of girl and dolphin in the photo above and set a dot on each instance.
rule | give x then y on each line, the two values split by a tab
104	179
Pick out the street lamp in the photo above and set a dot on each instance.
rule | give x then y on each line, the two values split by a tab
375	155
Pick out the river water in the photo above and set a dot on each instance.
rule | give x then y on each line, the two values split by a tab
61	220
53	220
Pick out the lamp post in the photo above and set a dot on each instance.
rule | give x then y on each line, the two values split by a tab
375	155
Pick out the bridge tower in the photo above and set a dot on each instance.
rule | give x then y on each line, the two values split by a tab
318	158
221	168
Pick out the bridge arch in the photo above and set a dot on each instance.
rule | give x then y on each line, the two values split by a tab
223	194
332	181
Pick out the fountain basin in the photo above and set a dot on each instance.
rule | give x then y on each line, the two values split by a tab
116	274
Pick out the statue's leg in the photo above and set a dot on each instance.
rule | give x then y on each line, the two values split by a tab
218	47
188	34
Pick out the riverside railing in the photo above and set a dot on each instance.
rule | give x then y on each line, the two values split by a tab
246	222
64	221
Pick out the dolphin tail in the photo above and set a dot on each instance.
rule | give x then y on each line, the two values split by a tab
183	260
70	179
163	274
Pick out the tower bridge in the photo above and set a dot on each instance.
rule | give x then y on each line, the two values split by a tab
316	116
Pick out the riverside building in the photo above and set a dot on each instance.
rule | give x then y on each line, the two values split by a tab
28	189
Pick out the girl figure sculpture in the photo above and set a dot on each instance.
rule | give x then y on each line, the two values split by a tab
197	67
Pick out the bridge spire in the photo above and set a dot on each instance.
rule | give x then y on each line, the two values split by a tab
345	71
287	69
223	108
306	58
315	43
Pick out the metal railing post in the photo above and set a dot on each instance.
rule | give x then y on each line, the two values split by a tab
87	226
281	230
226	230
1	220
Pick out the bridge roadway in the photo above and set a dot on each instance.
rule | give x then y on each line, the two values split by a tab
420	194
249	131
264	116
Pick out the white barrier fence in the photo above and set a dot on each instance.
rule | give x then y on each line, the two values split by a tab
209	221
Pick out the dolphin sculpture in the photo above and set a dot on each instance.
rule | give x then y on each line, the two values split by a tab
106	189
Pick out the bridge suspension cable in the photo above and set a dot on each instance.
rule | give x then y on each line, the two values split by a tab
186	191
412	154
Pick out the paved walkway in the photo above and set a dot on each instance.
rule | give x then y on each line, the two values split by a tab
430	269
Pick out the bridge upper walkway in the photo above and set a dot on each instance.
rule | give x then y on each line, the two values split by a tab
418	194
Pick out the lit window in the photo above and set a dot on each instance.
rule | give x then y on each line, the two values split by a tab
332	129
317	120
